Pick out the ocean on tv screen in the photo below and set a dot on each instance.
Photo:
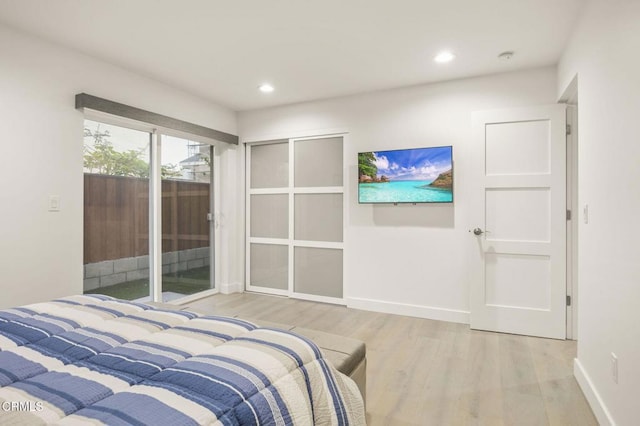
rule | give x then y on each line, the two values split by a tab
408	191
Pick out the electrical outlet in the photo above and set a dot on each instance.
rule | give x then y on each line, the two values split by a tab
614	368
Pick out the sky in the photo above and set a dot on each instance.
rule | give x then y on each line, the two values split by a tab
413	164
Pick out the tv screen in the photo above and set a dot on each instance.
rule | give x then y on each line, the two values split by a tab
421	175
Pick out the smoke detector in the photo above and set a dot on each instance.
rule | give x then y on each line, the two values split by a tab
505	56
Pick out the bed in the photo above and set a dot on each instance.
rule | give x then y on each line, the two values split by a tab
95	360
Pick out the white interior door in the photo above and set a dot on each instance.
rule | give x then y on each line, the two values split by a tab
520	225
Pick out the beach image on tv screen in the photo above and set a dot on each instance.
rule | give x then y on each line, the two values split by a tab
423	175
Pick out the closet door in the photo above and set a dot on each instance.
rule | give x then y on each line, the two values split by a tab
267	254
318	206
295	218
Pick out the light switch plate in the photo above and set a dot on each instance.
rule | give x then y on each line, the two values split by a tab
54	203
585	214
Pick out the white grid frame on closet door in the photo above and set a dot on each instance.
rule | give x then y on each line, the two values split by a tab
290	242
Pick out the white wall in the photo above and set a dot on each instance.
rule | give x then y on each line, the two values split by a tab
407	259
41	154
603	53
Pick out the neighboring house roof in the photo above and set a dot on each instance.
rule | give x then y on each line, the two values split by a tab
196	159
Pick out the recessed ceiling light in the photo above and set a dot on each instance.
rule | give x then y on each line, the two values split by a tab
266	88
444	57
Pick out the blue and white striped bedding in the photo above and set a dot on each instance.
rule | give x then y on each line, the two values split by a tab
94	360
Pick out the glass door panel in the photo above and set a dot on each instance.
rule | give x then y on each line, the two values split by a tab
318	271
318	217
270	165
187	202
318	162
270	266
116	211
268	217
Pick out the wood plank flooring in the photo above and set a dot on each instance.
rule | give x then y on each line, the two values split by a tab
424	372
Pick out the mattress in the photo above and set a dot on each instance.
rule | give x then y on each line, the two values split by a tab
95	360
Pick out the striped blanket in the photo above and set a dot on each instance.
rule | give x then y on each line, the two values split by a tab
96	360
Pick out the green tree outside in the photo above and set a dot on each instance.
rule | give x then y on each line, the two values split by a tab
103	159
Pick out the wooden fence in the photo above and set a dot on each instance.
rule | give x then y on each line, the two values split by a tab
116	216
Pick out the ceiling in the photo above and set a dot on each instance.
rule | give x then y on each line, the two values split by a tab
222	50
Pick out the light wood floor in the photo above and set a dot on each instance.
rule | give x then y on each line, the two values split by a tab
424	372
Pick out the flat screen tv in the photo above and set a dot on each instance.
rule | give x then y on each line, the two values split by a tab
421	175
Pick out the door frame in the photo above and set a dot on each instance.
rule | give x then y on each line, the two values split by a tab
570	99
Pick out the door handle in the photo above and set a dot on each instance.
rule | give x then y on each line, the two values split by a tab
478	231
215	218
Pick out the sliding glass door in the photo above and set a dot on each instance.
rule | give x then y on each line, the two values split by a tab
116	211
133	179
186	206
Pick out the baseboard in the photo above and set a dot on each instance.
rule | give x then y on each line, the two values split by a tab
592	395
419	311
228	288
